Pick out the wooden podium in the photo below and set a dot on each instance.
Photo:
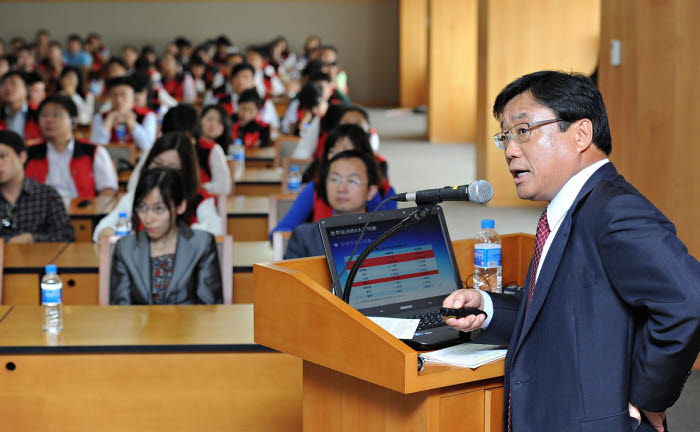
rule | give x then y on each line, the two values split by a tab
359	377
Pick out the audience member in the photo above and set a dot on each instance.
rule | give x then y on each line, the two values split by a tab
75	55
216	125
122	124
36	89
25	59
214	174
294	116
52	65
16	114
71	84
248	127
311	100
348	182
29	211
355	114
329	57
129	56
309	206
75	168
172	150
181	263
265	77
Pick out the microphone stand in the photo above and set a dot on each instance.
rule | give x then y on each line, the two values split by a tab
414	218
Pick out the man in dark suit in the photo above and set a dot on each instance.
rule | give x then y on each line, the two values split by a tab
608	326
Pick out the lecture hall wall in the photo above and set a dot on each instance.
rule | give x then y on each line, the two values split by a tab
365	32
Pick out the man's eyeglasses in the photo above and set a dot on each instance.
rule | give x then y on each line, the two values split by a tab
7	223
519	133
352	182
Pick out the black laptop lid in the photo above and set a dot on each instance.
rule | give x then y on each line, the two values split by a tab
410	273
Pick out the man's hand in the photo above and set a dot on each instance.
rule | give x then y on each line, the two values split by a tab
656	419
465	298
22	238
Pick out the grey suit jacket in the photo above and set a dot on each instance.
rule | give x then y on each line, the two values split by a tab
196	275
305	242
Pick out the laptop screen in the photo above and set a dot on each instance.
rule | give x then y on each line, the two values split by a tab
413	270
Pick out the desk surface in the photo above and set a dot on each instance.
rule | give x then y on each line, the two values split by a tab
247	253
242	206
98	206
261	176
131	329
260	153
31	255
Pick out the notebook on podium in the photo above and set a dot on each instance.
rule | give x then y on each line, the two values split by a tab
408	276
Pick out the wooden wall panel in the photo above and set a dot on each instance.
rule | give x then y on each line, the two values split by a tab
652	103
413	53
452	71
517	38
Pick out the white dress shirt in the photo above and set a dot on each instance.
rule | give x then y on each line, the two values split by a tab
144	135
59	175
556	210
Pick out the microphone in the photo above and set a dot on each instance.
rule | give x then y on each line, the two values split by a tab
479	192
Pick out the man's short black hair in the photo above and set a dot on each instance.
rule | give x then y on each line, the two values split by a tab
74	37
250	95
223	40
119	81
310	96
12	73
572	97
313	67
319	76
31	78
114	60
63	101
241	67
197	61
12	139
357	109
182	42
140	82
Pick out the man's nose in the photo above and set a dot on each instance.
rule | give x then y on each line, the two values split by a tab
512	150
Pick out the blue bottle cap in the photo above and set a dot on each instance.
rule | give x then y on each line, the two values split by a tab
293	168
487	223
51	268
238	141
122	214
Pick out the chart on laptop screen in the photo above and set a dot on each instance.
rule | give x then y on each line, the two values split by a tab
413	264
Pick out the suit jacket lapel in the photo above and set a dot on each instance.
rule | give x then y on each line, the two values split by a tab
142	262
556	250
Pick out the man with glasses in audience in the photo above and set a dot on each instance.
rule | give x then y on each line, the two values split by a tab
346	185
29	211
607	327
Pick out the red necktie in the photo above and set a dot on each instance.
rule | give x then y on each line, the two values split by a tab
540	239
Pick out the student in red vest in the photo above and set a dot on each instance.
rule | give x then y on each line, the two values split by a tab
36	89
266	80
248	127
214	173
293	116
16	114
75	168
122	123
216	125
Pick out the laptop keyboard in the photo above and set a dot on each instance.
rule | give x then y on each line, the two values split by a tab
428	320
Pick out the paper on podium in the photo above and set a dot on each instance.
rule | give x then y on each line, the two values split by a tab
398	327
467	355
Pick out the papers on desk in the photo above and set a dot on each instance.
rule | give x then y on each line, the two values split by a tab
469	355
398	327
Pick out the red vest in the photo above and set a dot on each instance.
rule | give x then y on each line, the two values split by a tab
203	149
321	209
32	133
251	133
37	167
173	86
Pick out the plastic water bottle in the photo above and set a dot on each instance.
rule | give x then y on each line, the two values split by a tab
120	131
52	300
238	152
123	226
487	258
294	180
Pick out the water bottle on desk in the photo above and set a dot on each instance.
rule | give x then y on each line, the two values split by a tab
294	180
123	226
237	151
487	258
52	300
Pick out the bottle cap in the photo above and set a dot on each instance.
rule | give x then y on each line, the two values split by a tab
122	214
487	223
238	141
293	168
51	268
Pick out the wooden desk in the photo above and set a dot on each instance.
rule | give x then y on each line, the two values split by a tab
245	254
247	217
24	265
78	265
145	368
85	218
259	181
262	157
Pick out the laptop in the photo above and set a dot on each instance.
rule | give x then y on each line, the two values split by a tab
407	276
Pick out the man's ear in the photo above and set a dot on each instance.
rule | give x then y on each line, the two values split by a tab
181	208
23	157
584	134
372	191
